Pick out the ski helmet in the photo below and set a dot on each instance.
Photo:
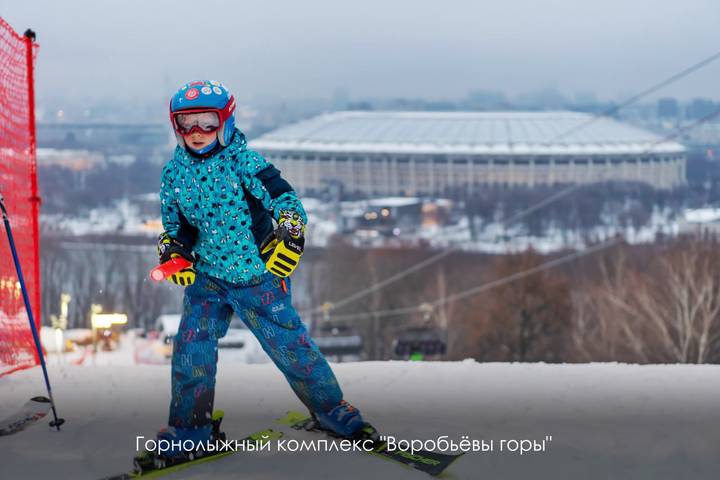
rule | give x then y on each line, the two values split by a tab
205	96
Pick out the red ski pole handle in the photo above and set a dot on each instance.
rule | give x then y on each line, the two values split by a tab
169	268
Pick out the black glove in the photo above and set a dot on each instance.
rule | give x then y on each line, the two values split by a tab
169	248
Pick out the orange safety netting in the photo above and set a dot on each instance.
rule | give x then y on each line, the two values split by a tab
18	186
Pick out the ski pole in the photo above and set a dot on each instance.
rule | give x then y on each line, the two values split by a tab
57	421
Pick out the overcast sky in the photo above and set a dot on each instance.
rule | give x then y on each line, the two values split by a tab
373	48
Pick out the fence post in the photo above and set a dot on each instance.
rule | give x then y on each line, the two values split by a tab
34	195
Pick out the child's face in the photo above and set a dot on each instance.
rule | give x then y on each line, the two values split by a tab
198	140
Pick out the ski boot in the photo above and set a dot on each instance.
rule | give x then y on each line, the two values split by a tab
155	460
344	421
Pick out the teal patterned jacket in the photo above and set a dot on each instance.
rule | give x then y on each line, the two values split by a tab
223	205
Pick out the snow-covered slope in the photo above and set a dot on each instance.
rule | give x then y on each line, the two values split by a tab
607	421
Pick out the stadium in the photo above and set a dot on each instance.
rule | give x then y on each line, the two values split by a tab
436	153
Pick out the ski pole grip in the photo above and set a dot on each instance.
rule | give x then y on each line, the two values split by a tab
171	267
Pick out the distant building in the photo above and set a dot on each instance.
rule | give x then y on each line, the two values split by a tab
436	153
668	108
699	108
394	215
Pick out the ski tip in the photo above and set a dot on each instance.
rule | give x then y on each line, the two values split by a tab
292	418
266	435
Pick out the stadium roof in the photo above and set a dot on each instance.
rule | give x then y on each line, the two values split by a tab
476	133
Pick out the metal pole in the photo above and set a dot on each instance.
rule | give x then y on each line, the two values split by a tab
57	421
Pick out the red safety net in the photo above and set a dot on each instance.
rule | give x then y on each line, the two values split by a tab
18	186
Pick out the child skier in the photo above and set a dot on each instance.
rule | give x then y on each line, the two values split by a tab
218	200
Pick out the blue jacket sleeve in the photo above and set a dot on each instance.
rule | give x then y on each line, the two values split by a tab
169	210
174	222
262	179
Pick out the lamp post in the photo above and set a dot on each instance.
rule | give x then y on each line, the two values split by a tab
103	321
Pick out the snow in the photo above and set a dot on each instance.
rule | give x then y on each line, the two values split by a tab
168	324
393	201
606	420
702	215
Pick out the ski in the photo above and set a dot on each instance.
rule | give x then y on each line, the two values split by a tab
148	471
431	463
32	411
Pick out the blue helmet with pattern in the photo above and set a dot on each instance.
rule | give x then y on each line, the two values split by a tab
205	96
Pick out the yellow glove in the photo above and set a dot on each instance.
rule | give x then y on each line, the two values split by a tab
281	252
184	277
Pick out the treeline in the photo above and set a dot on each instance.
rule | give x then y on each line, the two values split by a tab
645	304
632	303
104	270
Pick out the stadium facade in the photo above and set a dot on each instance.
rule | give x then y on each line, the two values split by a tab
435	153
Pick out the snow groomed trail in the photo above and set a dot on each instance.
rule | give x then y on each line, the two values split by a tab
606	420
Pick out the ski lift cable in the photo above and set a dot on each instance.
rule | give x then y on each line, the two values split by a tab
523	213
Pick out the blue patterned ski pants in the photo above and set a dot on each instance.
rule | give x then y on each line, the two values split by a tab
267	311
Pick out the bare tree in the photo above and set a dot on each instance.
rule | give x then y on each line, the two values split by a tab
525	320
665	311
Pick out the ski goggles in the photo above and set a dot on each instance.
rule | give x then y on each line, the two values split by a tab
187	123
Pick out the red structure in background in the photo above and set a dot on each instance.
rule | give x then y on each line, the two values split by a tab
18	185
